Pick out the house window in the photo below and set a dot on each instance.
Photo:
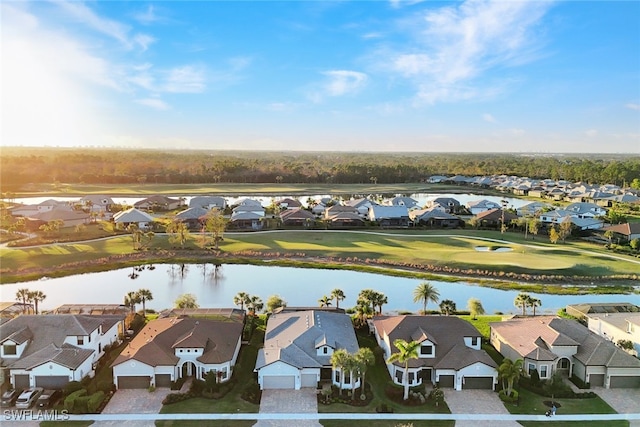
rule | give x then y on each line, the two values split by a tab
325	350
474	341
531	368
188	350
9	350
80	340
337	375
426	350
99	347
543	371
179	350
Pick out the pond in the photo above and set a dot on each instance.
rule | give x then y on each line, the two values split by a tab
215	288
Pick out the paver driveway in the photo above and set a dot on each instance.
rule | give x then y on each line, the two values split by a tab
134	402
623	400
303	401
477	402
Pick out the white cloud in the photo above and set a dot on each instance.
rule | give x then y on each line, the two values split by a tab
591	133
108	27
633	106
489	118
452	46
343	82
185	79
155	103
147	17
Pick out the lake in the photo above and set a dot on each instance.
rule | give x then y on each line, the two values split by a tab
298	286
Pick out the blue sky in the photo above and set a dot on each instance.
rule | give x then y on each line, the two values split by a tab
497	76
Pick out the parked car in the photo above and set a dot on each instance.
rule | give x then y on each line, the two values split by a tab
9	397
48	398
28	397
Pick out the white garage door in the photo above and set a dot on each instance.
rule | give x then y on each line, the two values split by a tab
279	381
309	380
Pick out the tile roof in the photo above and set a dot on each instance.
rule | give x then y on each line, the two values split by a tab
446	332
155	344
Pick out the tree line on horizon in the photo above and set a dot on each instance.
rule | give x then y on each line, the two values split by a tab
20	166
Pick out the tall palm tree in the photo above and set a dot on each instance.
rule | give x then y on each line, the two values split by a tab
241	299
406	352
366	358
144	295
339	360
254	304
522	300
338	295
23	295
363	312
131	299
510	372
325	301
426	292
533	303
378	300
37	297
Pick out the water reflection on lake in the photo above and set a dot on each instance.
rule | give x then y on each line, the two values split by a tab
215	287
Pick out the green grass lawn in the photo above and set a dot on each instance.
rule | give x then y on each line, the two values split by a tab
609	423
531	403
482	323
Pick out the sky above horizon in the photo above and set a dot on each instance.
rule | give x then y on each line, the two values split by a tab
399	75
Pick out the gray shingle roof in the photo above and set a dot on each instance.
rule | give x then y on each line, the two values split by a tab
293	338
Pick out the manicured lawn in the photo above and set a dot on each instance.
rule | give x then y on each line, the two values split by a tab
531	403
388	423
482	323
609	423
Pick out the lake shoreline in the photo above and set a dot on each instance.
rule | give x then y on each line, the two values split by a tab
549	284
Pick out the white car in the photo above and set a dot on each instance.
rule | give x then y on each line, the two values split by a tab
28	397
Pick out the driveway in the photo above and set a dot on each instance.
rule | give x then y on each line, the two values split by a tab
477	402
304	401
623	400
134	402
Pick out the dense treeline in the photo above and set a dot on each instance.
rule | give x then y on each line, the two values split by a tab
19	166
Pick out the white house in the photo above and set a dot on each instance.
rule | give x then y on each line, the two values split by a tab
176	347
450	352
51	350
479	206
616	327
298	346
133	216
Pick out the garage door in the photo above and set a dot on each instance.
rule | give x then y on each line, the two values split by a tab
279	381
134	382
163	380
309	380
596	380
446	381
22	382
52	382
484	383
624	382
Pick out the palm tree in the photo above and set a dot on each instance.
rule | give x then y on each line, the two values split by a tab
379	299
37	297
339	360
144	295
447	307
23	295
522	300
510	372
406	352
186	301
254	305
475	308
425	292
325	301
241	299
338	295
365	358
131	299
533	303
363	312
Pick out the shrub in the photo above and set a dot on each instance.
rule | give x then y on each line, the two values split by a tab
176	397
384	409
579	383
106	386
197	387
252	393
72	386
71	403
94	402
510	399
177	385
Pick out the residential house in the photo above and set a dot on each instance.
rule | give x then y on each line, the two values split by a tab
94	310
297	217
435	217
12	309
170	348
298	347
495	218
68	216
582	311
479	206
361	205
248	215
449	204
192	217
436	179
159	203
628	231
556	194
50	350
133	216
555	216
342	219
532	209
389	216
550	344
288	203
585	210
208	202
98	204
621	198
617	327
403	201
450	353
